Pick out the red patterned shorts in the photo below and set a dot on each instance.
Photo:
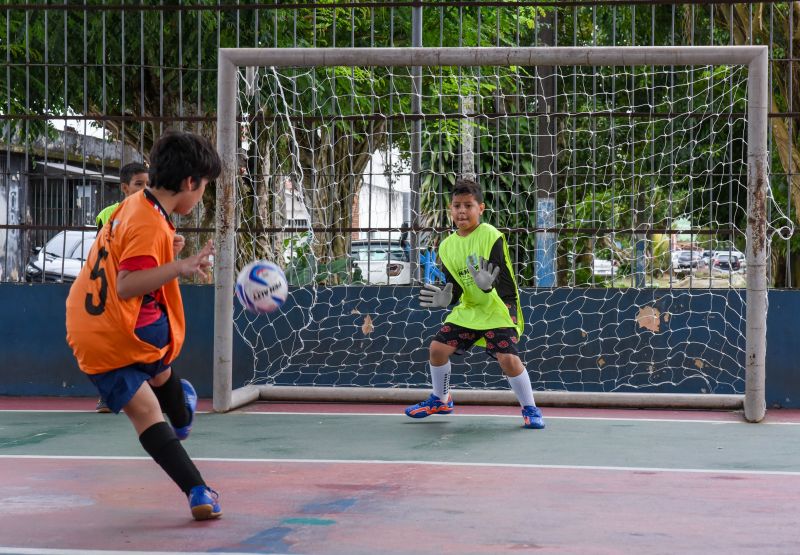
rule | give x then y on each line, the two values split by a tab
498	340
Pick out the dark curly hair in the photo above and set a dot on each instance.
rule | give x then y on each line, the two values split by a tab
178	155
464	186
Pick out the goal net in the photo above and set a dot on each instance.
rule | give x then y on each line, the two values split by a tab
630	183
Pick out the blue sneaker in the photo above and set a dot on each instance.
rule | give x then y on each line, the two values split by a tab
191	405
532	417
433	405
204	503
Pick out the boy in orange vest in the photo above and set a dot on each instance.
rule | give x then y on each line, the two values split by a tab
125	319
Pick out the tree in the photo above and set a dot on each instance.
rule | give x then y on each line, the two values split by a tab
771	24
142	71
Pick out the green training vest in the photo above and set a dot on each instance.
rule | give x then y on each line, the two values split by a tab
105	214
477	310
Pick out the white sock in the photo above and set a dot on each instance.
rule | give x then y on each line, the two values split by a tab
440	377
522	389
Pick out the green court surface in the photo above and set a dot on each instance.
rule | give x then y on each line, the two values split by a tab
679	444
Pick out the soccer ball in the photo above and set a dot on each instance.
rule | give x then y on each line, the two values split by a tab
261	287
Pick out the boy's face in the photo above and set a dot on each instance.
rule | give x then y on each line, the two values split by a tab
138	182
191	193
466	212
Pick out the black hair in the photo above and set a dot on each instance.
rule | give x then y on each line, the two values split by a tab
127	171
178	155
464	186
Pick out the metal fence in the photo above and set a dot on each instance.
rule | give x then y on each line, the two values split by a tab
86	87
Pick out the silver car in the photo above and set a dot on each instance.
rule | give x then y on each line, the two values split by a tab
62	258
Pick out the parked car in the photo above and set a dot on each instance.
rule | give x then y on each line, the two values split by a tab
690	259
708	255
382	262
675	256
726	262
61	258
734	252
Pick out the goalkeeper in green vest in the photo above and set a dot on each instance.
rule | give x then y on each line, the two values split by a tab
480	281
133	178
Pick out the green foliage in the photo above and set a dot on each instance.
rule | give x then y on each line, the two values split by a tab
145	70
304	267
306	270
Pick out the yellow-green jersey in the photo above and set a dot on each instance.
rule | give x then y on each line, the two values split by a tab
477	309
105	214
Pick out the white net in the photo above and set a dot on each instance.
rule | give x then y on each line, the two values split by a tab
622	192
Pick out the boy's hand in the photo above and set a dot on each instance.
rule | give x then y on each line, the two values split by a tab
486	274
199	263
431	296
178	242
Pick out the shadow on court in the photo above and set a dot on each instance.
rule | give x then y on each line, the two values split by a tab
317	479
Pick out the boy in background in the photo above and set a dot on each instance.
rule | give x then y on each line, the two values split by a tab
132	179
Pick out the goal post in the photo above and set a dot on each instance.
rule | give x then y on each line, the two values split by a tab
232	76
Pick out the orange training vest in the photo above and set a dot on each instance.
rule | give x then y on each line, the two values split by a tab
100	325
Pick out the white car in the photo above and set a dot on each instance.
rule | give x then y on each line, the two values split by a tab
382	262
62	258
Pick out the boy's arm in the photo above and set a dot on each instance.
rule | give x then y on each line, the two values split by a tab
141	282
504	285
448	278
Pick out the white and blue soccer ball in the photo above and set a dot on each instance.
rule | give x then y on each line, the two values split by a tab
261	287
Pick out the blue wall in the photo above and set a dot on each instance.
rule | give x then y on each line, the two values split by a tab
37	361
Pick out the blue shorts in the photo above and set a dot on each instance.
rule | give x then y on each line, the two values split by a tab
118	387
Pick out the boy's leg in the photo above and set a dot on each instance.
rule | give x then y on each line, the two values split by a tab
517	377
159	440
520	383
440	368
169	392
439	402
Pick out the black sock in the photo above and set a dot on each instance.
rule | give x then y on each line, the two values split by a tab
160	443
173	402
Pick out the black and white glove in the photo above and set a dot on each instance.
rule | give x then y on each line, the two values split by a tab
486	274
431	296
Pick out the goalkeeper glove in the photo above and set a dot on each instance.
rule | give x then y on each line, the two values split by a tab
486	274
431	296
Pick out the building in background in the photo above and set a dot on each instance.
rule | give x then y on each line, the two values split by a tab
58	182
384	198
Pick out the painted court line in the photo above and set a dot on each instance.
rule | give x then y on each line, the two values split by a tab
39	551
432	463
400	415
546	417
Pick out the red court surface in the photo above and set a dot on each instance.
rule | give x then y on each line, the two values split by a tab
356	508
291	485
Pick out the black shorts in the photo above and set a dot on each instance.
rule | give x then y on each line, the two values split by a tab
498	340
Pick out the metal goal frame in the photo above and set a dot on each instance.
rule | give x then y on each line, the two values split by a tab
754	57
